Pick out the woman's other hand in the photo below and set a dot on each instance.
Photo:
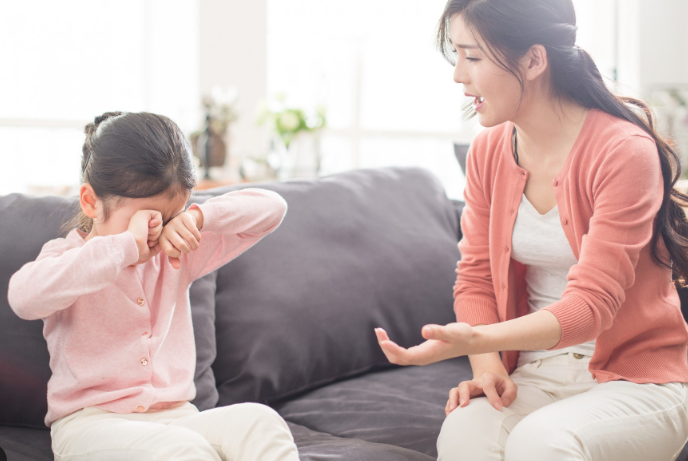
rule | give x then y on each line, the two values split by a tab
499	389
443	342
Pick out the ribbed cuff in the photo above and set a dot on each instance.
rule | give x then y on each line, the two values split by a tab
475	310
576	319
209	209
126	242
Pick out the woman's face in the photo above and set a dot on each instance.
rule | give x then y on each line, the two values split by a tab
496	92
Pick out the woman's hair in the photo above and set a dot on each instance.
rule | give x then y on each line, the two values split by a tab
133	155
509	28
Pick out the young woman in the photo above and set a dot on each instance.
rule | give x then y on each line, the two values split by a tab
571	233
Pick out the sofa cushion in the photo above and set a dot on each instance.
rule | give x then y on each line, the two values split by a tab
403	407
27	223
21	444
357	250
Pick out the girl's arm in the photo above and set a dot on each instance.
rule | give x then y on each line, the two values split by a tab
232	223
61	274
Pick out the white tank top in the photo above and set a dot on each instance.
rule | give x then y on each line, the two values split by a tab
539	242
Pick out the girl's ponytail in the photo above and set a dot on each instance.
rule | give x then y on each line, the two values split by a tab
133	155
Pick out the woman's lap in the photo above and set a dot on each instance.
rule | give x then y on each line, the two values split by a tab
560	413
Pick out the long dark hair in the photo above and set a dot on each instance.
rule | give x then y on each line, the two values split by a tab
509	28
133	155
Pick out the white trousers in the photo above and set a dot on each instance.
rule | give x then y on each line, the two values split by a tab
562	414
242	432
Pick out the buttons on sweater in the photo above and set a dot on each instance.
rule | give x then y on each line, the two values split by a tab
141	301
144	361
555	183
140	409
506	250
565	221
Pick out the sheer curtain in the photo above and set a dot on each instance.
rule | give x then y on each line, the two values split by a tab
68	61
389	94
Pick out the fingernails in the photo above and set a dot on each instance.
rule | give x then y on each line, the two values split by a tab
462	401
505	402
498	405
428	330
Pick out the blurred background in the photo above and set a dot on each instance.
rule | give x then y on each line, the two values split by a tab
283	89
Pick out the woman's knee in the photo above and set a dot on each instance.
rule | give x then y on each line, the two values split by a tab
472	430
538	438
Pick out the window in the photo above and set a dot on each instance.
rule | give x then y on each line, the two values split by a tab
389	94
66	62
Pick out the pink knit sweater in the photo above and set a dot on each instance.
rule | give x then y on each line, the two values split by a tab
608	192
120	336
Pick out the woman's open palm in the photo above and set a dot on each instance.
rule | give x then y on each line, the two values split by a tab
443	342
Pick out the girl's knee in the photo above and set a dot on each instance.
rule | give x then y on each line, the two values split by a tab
259	413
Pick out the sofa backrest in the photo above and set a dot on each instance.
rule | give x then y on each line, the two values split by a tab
356	250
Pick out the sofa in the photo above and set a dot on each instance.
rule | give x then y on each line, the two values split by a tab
290	322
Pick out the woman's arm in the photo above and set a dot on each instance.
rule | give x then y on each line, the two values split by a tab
537	331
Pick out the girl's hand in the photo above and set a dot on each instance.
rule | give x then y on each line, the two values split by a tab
443	342
499	389
146	225
180	235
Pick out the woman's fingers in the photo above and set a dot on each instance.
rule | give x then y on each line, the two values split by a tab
509	389
465	390
453	401
490	390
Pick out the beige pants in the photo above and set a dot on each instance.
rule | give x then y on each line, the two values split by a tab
561	413
242	432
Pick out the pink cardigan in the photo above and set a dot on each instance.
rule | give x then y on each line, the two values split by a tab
608	193
120	336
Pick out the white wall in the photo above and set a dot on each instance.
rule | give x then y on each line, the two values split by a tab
232	53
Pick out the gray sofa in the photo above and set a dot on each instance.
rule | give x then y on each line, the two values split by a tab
290	322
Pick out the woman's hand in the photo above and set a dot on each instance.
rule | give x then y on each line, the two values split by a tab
146	225
443	342
499	389
180	235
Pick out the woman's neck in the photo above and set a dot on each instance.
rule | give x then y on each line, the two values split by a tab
547	129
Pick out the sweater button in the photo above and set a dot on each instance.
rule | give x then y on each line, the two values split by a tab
511	211
144	361
141	301
555	183
503	286
506	250
140	409
565	221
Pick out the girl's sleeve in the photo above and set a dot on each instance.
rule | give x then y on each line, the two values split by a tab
61	274
474	297
628	191
232	223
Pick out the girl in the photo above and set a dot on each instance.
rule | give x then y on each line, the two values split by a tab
113	296
570	231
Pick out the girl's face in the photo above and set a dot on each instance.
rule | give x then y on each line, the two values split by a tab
496	92
118	220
